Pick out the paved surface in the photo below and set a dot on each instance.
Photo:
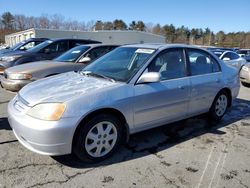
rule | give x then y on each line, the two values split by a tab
189	153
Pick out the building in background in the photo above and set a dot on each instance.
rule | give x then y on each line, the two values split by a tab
108	36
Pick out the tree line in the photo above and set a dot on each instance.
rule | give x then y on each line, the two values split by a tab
11	23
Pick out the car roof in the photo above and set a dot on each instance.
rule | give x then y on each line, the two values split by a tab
59	39
160	45
98	45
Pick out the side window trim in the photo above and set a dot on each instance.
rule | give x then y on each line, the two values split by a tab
212	59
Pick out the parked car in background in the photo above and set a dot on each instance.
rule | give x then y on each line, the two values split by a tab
221	48
245	53
23	45
245	75
47	50
230	58
131	89
16	77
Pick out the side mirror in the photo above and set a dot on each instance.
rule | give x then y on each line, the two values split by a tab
226	59
85	60
149	77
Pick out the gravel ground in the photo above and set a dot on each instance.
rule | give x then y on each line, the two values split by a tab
189	153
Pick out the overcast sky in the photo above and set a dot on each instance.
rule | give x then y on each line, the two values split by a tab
226	15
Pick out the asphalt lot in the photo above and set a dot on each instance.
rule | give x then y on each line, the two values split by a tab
189	153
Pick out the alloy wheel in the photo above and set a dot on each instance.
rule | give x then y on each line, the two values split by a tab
101	139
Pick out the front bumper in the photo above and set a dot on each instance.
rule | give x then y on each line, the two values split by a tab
13	85
245	76
43	137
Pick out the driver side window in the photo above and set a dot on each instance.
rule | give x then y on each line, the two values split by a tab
170	64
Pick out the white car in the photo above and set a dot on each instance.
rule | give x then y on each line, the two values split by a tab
230	58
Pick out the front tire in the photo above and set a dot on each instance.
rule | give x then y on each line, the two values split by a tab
245	84
98	138
219	106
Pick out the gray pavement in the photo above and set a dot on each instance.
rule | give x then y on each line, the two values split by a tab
190	153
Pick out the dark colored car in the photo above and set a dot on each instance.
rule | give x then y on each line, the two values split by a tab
73	60
47	50
245	53
24	45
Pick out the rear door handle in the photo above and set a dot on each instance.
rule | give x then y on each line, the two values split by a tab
181	87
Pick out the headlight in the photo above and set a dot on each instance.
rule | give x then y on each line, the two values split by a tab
47	111
19	76
245	68
2	70
10	58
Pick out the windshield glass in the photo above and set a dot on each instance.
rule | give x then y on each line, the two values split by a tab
40	46
73	54
120	64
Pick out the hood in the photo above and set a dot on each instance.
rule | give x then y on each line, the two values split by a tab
63	87
12	53
35	66
3	51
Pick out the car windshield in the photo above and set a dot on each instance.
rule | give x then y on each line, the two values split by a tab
120	64
40	46
73	54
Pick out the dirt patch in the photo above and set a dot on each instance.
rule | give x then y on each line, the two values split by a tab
230	175
107	179
165	163
190	169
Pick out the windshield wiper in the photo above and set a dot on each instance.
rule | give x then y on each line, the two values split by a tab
89	73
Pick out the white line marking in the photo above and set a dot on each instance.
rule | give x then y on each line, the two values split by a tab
216	167
208	159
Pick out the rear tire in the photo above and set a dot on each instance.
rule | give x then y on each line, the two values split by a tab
219	106
98	138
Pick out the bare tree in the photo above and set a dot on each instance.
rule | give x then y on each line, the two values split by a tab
149	27
90	25
56	21
20	22
44	21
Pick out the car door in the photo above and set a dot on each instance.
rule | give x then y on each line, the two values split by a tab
205	80
167	100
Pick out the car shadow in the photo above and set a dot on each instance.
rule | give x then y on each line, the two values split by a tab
167	136
4	124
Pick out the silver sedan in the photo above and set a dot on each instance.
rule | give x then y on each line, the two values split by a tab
131	89
245	74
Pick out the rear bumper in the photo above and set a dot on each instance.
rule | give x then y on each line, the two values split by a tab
13	85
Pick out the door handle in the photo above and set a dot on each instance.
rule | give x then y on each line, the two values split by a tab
217	80
181	87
